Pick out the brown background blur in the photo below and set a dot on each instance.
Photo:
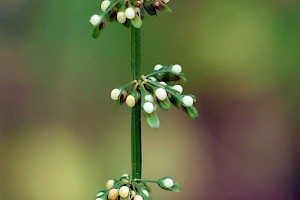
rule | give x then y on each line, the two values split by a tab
61	136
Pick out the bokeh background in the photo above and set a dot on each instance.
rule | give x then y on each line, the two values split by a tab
61	136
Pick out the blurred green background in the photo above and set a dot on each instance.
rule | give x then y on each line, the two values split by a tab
61	136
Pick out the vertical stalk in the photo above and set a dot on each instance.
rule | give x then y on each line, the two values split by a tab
136	142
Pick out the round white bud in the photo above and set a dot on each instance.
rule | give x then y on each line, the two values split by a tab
121	17
99	194
113	194
138	197
165	1
95	20
133	193
163	83
125	175
99	198
130	101
188	101
124	191
152	79
161	94
168	183
109	184
176	69
146	193
149	98
148	107
104	5
158	67
115	93
178	88
130	13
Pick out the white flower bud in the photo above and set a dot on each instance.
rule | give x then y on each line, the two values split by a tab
95	20
130	101
152	79
99	194
124	191
115	93
163	83
158	67
168	183
125	175
148	107
146	193
138	197
133	193
165	1
130	13
104	5
99	198
109	184
188	101
113	194
176	69
149	98
178	88
161	94
121	17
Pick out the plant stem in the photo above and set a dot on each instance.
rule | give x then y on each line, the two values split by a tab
136	142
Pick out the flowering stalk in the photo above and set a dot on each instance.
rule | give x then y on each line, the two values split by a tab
136	143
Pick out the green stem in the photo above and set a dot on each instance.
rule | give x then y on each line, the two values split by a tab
136	142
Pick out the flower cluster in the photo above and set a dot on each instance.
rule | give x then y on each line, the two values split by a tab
125	12
136	189
153	90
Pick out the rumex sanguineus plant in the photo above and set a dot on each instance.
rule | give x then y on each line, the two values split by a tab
144	94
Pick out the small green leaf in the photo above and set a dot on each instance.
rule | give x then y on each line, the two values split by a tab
152	119
136	22
96	32
166	104
192	112
176	187
166	8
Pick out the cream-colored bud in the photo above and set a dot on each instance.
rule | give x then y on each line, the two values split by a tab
104	5
113	194
95	20
178	88
149	98
188	101
176	69
130	13
109	184
121	17
148	107
168	183
115	93
146	193
158	67
130	101
161	94
138	197
124	191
